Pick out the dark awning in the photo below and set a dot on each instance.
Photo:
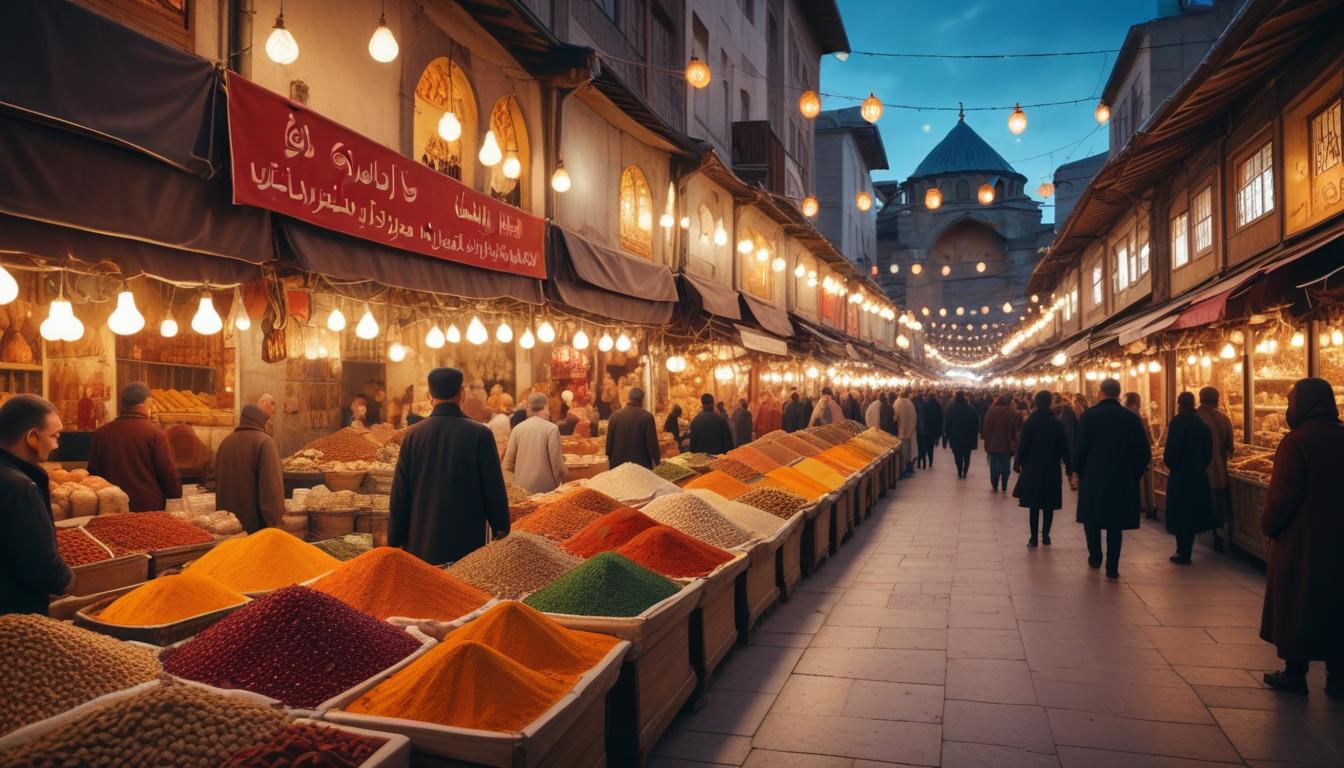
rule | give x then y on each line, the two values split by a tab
64	178
595	279
76	68
324	252
703	294
768	317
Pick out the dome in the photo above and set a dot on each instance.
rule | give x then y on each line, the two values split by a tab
963	151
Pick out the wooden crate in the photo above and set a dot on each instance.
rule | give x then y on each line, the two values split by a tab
164	561
714	621
159	634
758	589
107	575
789	559
1248	504
817	534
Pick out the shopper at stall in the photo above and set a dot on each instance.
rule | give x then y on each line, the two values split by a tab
851	407
534	454
448	484
1188	452
741	423
1304	590
1109	458
872	415
1000	432
249	481
358	413
796	413
31	568
631	435
886	415
907	425
672	426
1041	448
1147	495
710	432
827	410
933	427
768	417
267	404
1220	429
132	452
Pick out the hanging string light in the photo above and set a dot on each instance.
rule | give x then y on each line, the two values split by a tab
280	45
454	335
863	200
383	45
744	246
168	328
946	270
61	323
546	332
450	128
240	319
1017	121
720	234
476	333
697	73
396	352
503	334
894	268
336	321
1045	190
871	109
513	167
809	104
490	153
799	271
810	206
623	343
126	318
560	179
933	199
986	194
435	338
916	268
527	340
1102	113
605	343
206	321
779	264
580	341
367	327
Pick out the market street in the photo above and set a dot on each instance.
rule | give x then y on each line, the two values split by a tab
936	637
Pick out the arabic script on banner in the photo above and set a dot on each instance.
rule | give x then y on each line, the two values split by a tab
293	161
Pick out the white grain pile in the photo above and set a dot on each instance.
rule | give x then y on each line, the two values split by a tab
758	522
697	518
631	482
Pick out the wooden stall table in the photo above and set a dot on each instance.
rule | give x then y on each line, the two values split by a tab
1247	498
816	545
759	588
789	558
714	621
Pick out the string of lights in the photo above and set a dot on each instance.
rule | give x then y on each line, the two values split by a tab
1026	55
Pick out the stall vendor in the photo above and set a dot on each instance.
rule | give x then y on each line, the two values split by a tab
31	568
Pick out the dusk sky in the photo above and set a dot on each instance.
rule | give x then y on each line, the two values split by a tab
979	27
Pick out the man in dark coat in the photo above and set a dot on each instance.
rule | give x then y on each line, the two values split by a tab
796	413
1041	448
448	483
933	424
851	407
1304	590
132	452
1188	452
741	424
886	414
963	432
31	568
710	432
631	435
1220	429
1000	432
1110	455
249	479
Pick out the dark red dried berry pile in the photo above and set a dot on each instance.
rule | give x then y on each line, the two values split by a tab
76	548
296	645
310	746
145	532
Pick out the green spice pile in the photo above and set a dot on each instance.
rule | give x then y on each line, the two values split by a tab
606	585
346	547
51	666
516	565
776	501
673	472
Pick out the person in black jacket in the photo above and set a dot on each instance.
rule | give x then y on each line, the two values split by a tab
851	408
933	426
741	424
1189	500
796	413
1041	448
448	483
631	436
672	426
710	432
31	569
1110	455
963	432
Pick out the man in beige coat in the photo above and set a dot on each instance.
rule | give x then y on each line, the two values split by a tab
249	481
534	454
1220	427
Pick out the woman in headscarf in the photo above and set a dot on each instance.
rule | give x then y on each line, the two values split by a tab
1041	448
1304	522
1189	500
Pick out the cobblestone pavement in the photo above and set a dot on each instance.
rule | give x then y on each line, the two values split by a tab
936	637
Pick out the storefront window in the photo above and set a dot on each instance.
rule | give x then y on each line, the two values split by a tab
1330	351
636	213
1255	193
1325	139
1199	363
756	272
1180	242
1203	207
1278	359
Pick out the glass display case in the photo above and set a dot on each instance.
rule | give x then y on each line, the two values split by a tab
1214	359
1278	356
1330	350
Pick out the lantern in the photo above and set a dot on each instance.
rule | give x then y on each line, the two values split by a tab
863	200
986	194
1045	190
697	73
810	206
1102	112
933	199
809	104
1017	121
871	109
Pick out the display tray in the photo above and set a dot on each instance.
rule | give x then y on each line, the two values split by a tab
157	634
106	575
164	561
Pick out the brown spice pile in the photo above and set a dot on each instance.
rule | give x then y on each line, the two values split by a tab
776	501
514	566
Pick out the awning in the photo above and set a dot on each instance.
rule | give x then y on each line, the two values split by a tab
710	297
84	71
1078	347
1203	312
314	249
1145	324
601	281
770	318
760	342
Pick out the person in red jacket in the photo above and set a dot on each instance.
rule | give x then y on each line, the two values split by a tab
132	452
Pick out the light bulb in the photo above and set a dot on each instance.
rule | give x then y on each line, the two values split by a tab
336	321
646	221
383	48
490	153
367	327
1046	189
240	319
1227	352
1191	360
1205	361
504	334
778	264
871	109
513	167
1017	121
546	332
720	234
933	199
946	270
1102	113
476	333
863	201
810	206
1336	338
1059	359
812	372
894	268
744	246
1238	338
454	336
809	104
985	194
1007	308
623	343
902	341
605	343
61	323
667	221
206	321
281	46
1154	366
396	352
527	340
323	352
799	272
580	340
980	266
450	128
685	222
168	328
915	269
560	179
1298	339
697	73
9	287
435	338
763	255
126	318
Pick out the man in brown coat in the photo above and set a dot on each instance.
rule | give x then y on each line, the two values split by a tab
1000	430
132	452
249	481
1220	427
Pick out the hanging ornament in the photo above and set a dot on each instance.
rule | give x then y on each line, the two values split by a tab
367	327
560	179
454	336
697	73
206	321
450	128
504	334
810	206
9	287
280	45
336	321
546	332
490	153
809	104
1017	121
476	333
126	318
435	338
871	110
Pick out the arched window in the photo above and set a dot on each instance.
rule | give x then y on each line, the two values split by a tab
706	224
757	277
636	213
963	190
443	88
507	178
998	191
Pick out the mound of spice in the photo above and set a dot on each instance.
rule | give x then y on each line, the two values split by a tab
268	559
630	482
880	437
696	517
345	445
791	479
673	472
168	600
536	641
346	547
755	458
387	582
849	456
296	645
168	724
145	532
606	585
720	483
840	466
758	524
556	521
775	450
734	469
696	461
817	471
589	499
77	547
798	445
52	666
609	532
776	501
672	553
516	565
312	746
817	441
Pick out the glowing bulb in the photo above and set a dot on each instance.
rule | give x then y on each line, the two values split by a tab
1102	113
1336	337
281	46
946	270
580	340
396	352
933	199
809	104
915	269
799	272
985	194
720	234
1191	360
980	266
810	206
367	327
207	321
1154	366
545	332
1298	339
646	221
527	340
1205	361
812	372
778	264
605	343
863	201
1046	189
984	310
336	321
667	221
435	338
1059	359
763	255
894	268
490	153
697	73
685	222
1007	308
504	334
126	319
560	179
168	328
513	167
383	48
450	128
453	335
871	110
723	373
902	342
744	246
623	343
1227	352
1017	121
1238	338
61	323
240	319
942	311
961	311
9	287
1035	298
476	333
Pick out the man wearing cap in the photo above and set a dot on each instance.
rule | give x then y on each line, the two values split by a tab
534	455
710	432
631	434
249	480
132	452
448	484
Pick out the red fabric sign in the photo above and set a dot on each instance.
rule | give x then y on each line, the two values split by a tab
291	160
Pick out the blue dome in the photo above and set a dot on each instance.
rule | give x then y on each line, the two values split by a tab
963	151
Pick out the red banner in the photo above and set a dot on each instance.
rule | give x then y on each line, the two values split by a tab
291	160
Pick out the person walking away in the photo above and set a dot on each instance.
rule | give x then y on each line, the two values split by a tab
1041	448
448	484
796	413
631	436
132	452
948	399
886	414
1109	458
963	432
872	415
768	416
921	429
31	569
1067	419
1304	589
1000	434
1188	452
827	411
741	424
1147	497
907	424
851	407
534	454
249	480
1220	429
710	432
933	425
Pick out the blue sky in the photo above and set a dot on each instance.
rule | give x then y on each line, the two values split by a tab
978	27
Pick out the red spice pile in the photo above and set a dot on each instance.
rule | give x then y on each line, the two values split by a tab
311	746
297	645
77	548
145	532
673	553
609	532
